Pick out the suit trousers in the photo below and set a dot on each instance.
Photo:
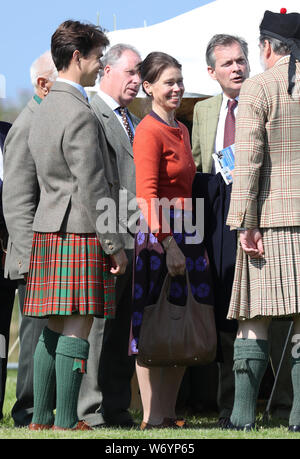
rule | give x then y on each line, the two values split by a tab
90	395
7	297
283	394
109	367
225	394
29	333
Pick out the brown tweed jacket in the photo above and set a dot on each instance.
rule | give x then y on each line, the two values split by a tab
266	185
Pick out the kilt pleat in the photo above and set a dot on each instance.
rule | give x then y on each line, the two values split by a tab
69	273
268	286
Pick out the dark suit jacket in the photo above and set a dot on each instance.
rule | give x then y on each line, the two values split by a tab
4	128
219	240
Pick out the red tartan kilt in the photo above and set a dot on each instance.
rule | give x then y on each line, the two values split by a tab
68	274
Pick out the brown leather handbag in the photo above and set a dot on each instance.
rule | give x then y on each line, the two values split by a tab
174	335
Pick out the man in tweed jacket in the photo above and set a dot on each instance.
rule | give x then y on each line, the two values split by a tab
76	173
265	207
20	198
7	286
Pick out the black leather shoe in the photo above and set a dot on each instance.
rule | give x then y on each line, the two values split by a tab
245	428
223	422
294	428
120	420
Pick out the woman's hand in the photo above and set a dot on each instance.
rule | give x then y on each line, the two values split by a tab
175	259
251	242
118	263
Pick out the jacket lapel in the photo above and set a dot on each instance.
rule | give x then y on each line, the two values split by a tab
116	134
212	119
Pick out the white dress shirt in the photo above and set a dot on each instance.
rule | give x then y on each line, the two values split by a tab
114	105
219	142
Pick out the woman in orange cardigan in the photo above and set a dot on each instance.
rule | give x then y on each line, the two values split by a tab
164	169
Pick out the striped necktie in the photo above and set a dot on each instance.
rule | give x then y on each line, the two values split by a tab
123	113
229	129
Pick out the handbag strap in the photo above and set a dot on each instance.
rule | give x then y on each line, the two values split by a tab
167	283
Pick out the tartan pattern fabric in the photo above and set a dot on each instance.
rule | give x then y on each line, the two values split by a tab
229	128
268	286
69	273
266	185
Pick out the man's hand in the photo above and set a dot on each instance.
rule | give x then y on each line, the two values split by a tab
118	263
251	242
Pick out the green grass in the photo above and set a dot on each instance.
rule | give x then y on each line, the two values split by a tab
202	427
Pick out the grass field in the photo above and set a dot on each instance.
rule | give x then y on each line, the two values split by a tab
203	427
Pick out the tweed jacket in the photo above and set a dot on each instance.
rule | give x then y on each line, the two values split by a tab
4	128
205	123
266	184
20	193
119	145
76	174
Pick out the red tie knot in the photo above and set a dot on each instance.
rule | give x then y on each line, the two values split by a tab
232	104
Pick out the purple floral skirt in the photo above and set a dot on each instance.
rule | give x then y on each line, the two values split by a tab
150	270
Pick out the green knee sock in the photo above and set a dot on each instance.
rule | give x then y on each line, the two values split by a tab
250	363
295	412
71	356
44	377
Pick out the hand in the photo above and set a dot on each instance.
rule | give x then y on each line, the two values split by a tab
251	242
175	259
118	263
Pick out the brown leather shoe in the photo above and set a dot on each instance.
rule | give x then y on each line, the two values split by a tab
34	426
175	423
81	425
145	426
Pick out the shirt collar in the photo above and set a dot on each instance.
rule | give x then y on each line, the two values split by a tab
108	100
75	85
225	101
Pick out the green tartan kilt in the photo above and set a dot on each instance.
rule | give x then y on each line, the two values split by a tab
69	274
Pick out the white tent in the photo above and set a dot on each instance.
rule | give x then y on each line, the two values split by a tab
186	36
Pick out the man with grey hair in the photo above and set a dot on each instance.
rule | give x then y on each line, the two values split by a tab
7	286
43	73
113	369
213	129
20	197
227	63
